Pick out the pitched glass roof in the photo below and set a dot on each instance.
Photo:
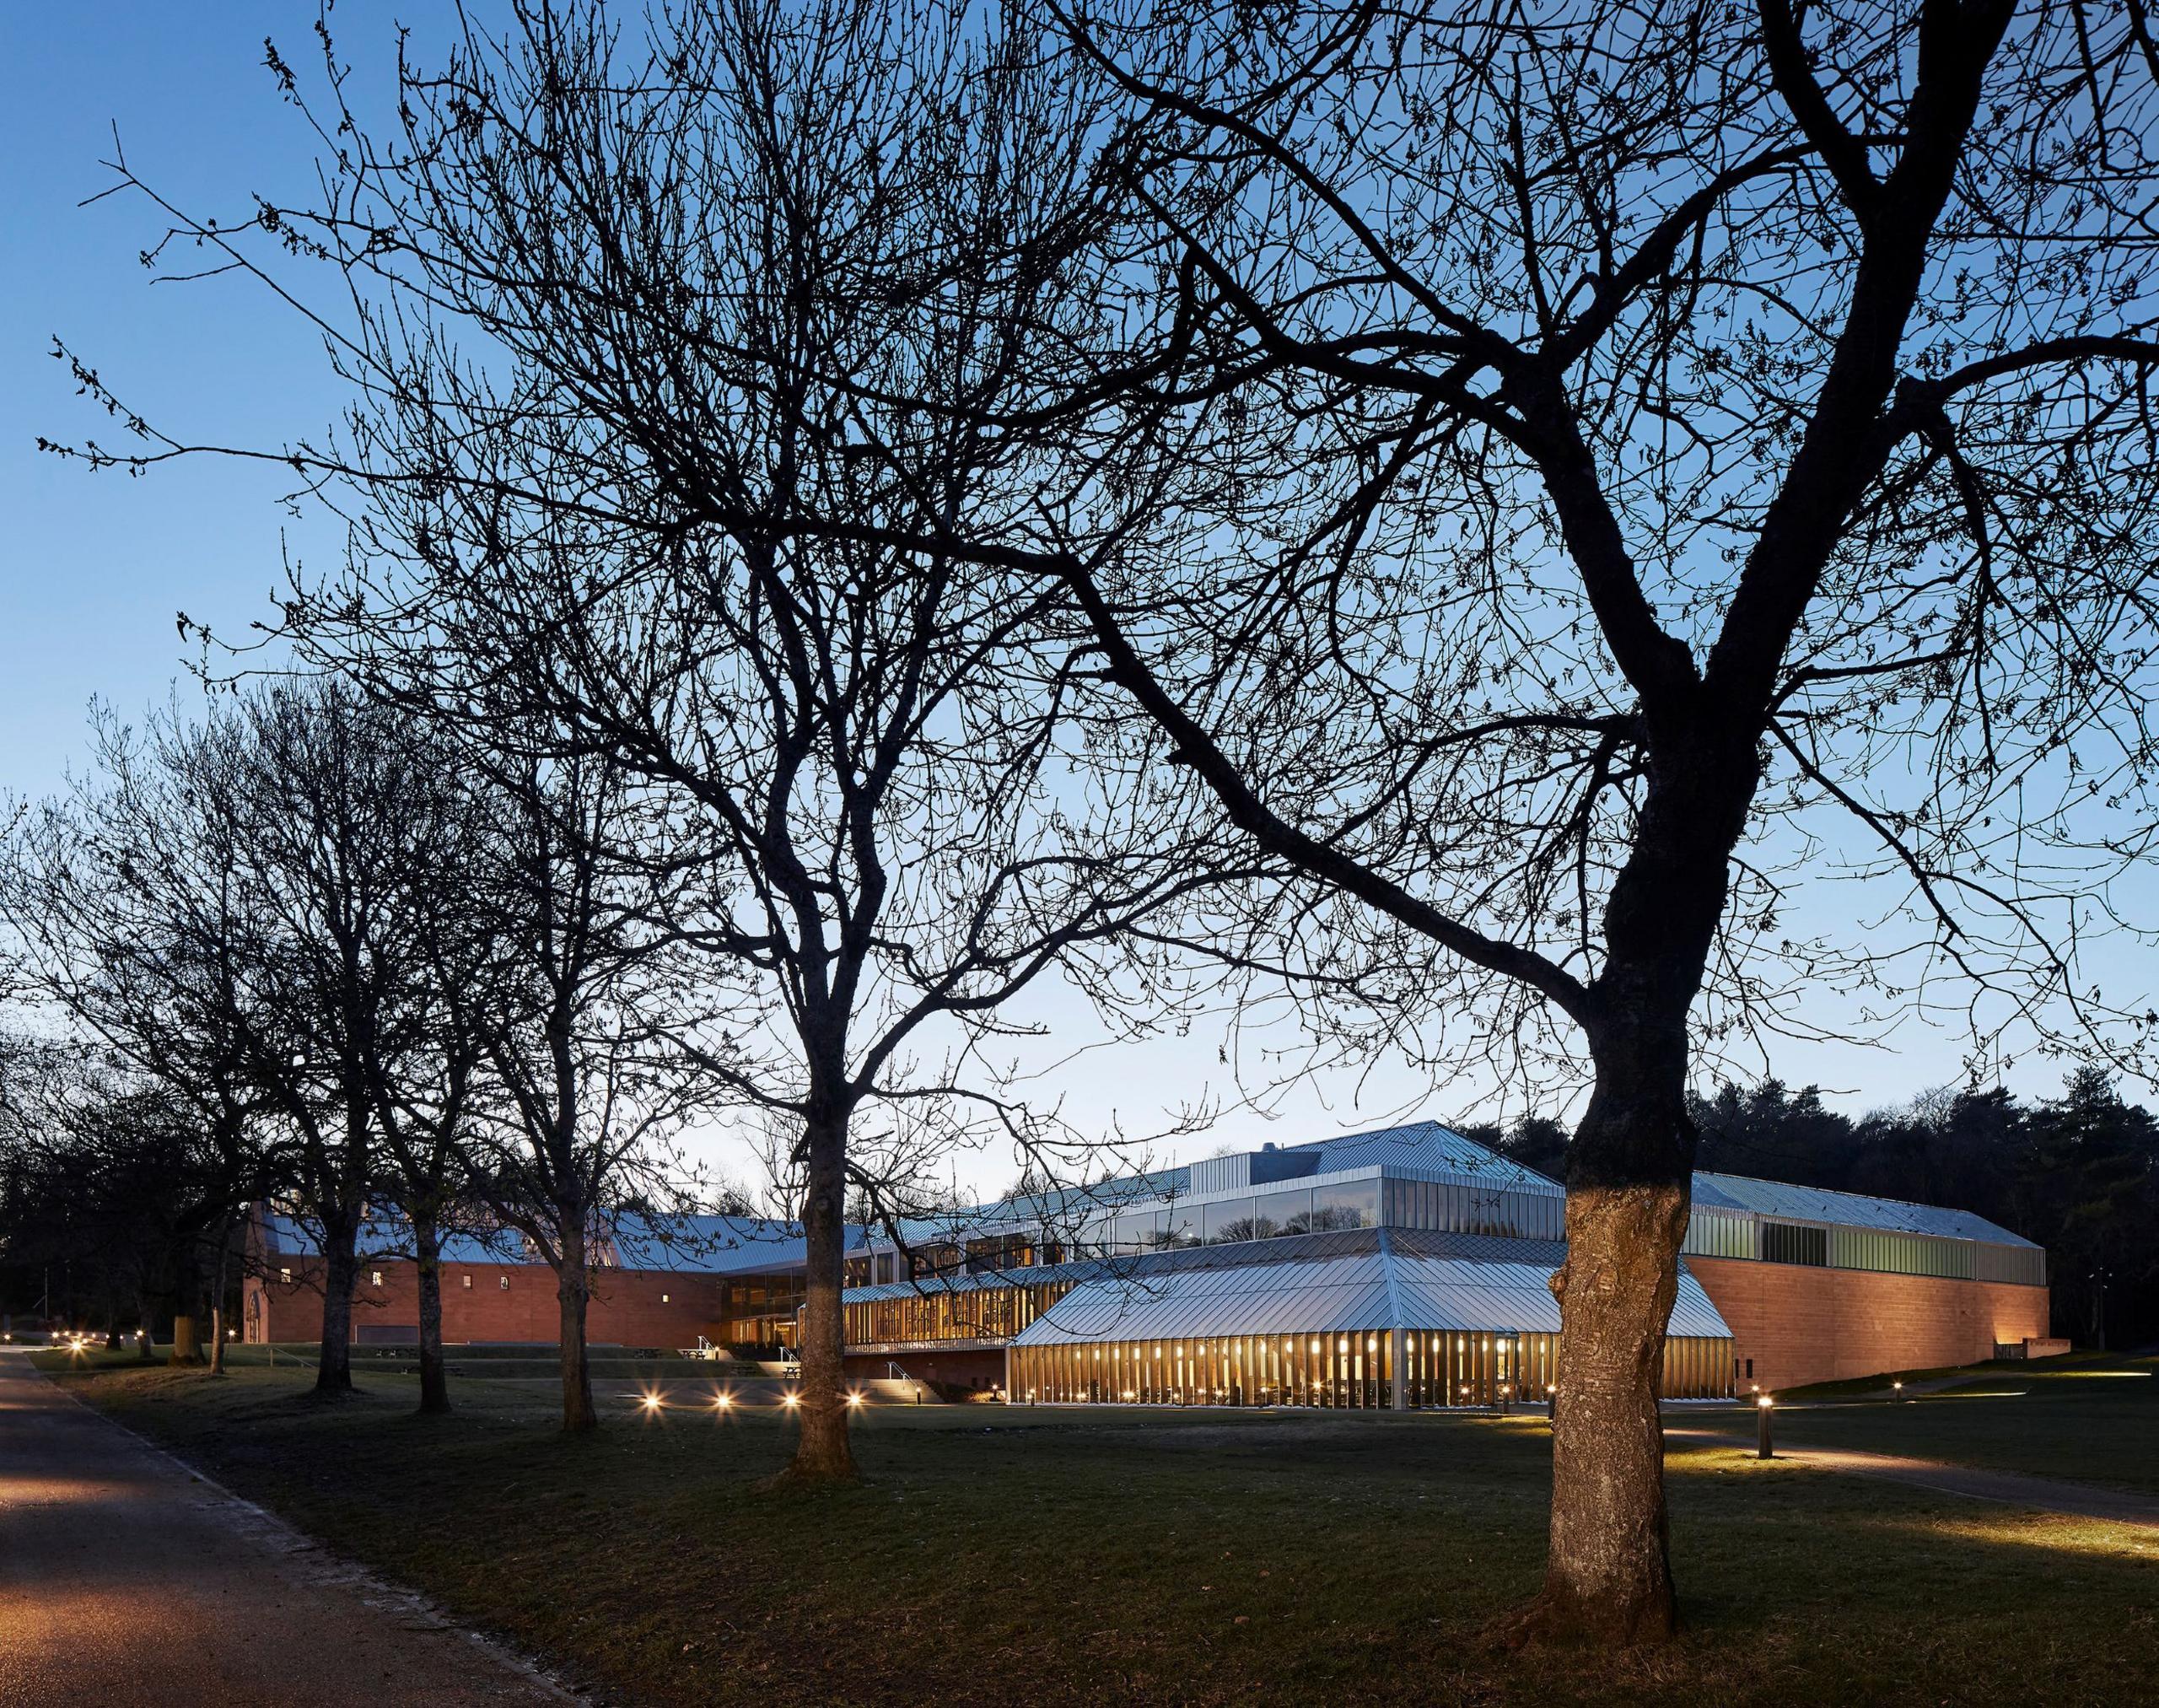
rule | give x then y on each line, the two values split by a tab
1368	1281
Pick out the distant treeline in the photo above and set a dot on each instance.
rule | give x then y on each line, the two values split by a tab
2078	1173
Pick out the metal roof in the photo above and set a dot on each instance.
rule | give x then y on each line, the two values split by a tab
715	1245
1375	1280
706	1245
381	1240
1845	1208
1421	1145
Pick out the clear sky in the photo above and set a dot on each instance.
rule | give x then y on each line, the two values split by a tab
94	567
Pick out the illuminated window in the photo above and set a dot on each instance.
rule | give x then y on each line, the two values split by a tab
285	1276
505	1283
374	1278
663	1298
468	1284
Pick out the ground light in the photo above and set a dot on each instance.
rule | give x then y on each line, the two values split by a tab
652	1402
790	1399
722	1401
1765	1444
855	1396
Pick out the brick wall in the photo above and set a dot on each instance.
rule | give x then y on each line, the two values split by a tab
629	1307
1800	1324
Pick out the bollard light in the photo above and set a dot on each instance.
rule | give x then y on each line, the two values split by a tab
1765	1444
1899	1387
790	1399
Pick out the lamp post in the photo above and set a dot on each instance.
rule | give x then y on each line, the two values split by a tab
1765	1444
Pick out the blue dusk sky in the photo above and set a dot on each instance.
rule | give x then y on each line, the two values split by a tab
94	567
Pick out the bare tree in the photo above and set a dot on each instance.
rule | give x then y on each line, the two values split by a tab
668	251
425	1072
125	901
575	1010
1562	477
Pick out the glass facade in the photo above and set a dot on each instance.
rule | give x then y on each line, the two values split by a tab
1721	1233
930	1315
1338	1370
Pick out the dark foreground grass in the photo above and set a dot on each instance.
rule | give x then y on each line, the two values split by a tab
1021	1556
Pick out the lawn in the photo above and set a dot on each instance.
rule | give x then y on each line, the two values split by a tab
2092	1418
1011	1556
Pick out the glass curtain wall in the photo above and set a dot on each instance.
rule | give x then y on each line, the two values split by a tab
933	1314
1345	1370
1339	1370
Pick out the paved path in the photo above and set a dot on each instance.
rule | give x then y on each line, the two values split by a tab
2013	1488
125	1580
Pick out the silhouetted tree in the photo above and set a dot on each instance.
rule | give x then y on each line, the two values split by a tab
574	1010
863	739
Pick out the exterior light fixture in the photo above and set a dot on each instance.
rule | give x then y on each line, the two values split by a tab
855	1396
1764	1443
652	1402
722	1401
790	1399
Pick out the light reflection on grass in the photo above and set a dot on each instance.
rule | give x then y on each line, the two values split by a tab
2050	1532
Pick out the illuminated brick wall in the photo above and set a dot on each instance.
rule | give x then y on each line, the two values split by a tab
1800	1325
629	1307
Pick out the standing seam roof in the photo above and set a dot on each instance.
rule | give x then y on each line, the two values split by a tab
1845	1208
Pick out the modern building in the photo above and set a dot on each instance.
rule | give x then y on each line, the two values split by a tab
1405	1268
1411	1267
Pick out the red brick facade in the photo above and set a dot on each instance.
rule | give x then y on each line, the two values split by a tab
1800	1325
482	1302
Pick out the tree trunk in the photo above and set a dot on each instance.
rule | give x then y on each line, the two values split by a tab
822	1453
435	1380
186	1345
341	1269
217	1300
185	1348
1630	1184
573	1291
1608	1574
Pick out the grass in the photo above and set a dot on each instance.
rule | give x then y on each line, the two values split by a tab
2092	1418
997	1555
